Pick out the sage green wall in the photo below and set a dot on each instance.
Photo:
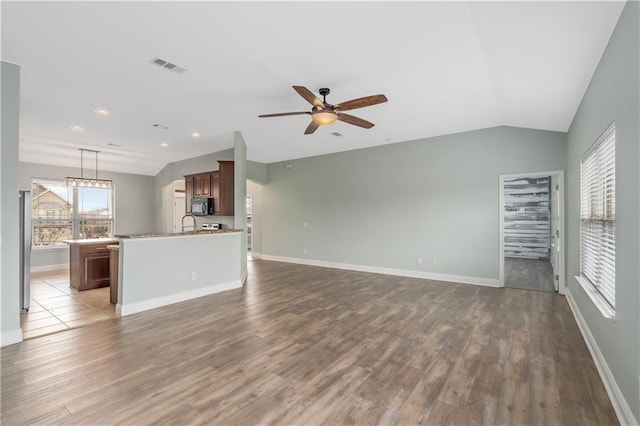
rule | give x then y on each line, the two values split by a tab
155	268
257	172
612	95
385	206
240	195
9	235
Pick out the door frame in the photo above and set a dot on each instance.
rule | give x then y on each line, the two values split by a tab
559	174
179	196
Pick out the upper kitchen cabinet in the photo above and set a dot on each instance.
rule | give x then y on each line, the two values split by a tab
224	204
217	184
202	185
188	192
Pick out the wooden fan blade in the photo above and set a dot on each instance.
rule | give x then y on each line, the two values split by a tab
361	102
312	127
356	121
308	95
282	114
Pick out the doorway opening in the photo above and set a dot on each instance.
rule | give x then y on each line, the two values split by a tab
532	230
254	220
249	214
173	206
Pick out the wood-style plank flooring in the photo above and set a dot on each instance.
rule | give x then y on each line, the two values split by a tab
528	274
303	345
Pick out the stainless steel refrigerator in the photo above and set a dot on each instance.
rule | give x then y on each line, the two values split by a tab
25	250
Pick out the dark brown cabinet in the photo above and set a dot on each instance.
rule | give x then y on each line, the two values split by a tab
218	184
113	272
225	204
188	192
197	186
89	265
202	185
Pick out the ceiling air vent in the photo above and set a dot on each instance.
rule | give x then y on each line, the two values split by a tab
336	134
168	65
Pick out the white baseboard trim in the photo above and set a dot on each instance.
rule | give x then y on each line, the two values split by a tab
256	255
622	409
463	279
10	337
244	277
47	268
157	302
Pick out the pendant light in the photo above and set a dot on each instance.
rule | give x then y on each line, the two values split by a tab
82	182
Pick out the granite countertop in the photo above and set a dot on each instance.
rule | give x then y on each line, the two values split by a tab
113	240
179	234
113	247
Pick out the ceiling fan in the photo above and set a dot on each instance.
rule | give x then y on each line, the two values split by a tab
323	113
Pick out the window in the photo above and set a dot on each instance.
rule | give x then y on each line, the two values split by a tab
598	216
61	213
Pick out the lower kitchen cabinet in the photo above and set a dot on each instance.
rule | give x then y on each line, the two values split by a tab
113	267
89	265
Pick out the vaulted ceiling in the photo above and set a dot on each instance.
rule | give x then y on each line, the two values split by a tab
445	67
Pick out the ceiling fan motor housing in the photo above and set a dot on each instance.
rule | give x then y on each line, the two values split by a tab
324	91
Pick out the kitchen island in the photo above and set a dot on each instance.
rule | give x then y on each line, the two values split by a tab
89	263
158	269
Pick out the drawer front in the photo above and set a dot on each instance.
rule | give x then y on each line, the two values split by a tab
87	249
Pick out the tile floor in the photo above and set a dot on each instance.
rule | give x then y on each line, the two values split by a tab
55	306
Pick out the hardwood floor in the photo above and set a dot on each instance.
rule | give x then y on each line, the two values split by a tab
528	274
308	345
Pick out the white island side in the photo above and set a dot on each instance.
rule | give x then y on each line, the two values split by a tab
159	270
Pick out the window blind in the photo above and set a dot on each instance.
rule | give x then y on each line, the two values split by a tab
598	215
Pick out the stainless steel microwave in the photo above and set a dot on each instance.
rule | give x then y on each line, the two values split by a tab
202	206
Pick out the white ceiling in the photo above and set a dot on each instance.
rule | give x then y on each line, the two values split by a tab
446	67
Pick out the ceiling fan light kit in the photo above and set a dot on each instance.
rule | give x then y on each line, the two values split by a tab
324	117
323	113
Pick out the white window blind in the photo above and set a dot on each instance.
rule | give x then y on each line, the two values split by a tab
598	215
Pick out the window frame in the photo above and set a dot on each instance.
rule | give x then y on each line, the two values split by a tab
599	178
75	218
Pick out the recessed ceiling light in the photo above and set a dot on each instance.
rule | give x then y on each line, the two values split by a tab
77	128
164	144
195	134
102	112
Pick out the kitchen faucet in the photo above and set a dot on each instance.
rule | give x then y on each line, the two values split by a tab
194	221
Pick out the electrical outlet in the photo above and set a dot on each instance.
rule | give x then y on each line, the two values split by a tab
419	260
434	261
193	276
304	251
